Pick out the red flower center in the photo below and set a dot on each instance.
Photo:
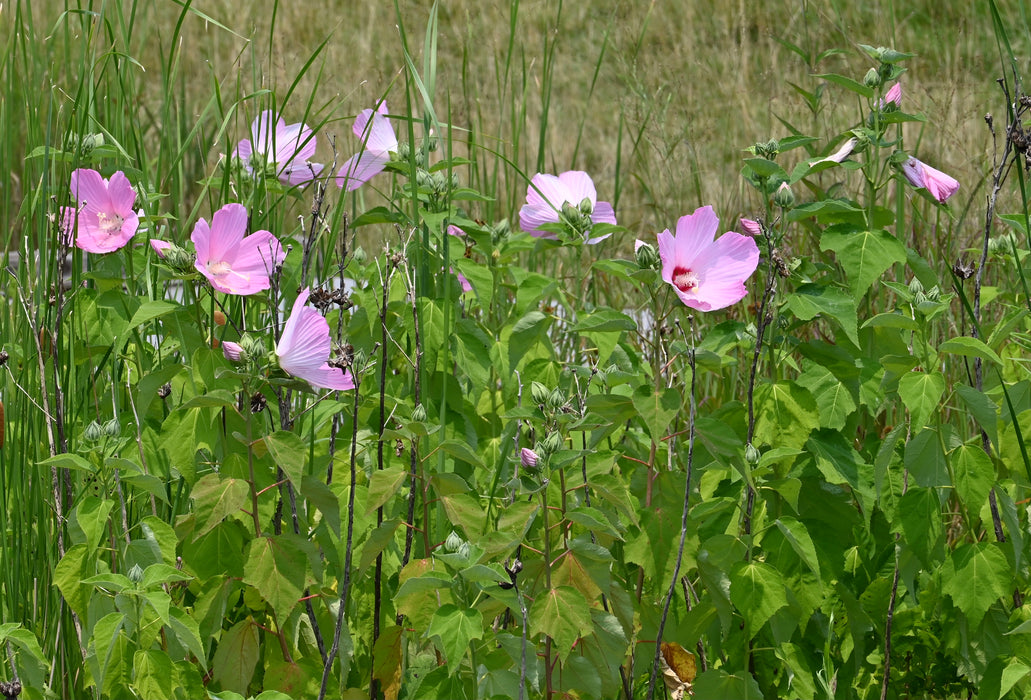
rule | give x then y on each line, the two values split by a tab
684	279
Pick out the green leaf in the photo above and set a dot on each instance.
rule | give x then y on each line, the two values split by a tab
604	320
465	511
975	576
921	392
75	566
149	310
153	674
462	450
757	591
810	300
455	627
383	485
236	657
847	83
657	408
969	347
187	631
920	515
526	333
289	454
91	517
276	567
378	540
833	399
215	499
864	255
594	520
67	461
563	614
798	537
785	415
925	459
974	475
717	684
765	168
982	409
158	574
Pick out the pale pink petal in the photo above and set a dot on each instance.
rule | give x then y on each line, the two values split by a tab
694	233
463	281
121	194
894	95
638	244
258	254
328	377
375	131
603	213
304	348
579	186
243	152
286	340
160	246
723	268
228	227
360	168
300	173
752	228
232	351
90	190
937	183
544	198
262	129
667	253
201	238
842	153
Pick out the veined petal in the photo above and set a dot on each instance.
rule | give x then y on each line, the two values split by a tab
121	194
90	190
694	234
258	254
201	238
579	186
603	213
375	131
262	129
360	168
723	269
228	226
667	254
328	377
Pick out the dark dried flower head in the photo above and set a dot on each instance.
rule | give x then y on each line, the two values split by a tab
963	270
258	402
4	357
164	390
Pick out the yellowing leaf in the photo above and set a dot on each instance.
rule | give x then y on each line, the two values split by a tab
678	669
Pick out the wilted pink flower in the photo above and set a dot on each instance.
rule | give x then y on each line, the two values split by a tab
752	228
378	142
104	220
287	149
706	274
919	174
304	347
893	96
547	196
528	458
232	351
232	263
160	246
462	280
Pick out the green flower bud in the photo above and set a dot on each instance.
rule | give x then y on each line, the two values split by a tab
464	550
784	197
551	444
539	392
93	432
872	79
419	414
424	179
647	257
135	574
404	150
915	286
586	206
111	428
556	400
752	454
359	256
453	542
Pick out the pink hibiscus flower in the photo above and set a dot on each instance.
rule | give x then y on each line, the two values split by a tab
378	142
707	274
288	149
304	347
547	196
232	263
919	174
104	220
893	96
751	227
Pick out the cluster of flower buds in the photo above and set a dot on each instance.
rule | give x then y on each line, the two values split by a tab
547	400
95	432
454	544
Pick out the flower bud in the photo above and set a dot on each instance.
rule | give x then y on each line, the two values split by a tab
752	228
872	79
359	255
529	458
252	346
111	428
646	255
752	454
220	318
419	414
586	206
551	444
452	543
93	432
768	150
556	400
233	352
539	392
424	179
464	550
404	150
135	574
784	197
915	286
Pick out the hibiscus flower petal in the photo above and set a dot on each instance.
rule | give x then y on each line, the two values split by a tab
360	168
579	186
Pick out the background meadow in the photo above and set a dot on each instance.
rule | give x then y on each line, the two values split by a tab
552	477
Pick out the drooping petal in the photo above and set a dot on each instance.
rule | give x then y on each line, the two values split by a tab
300	172
603	213
262	130
360	168
201	238
304	348
375	131
940	185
